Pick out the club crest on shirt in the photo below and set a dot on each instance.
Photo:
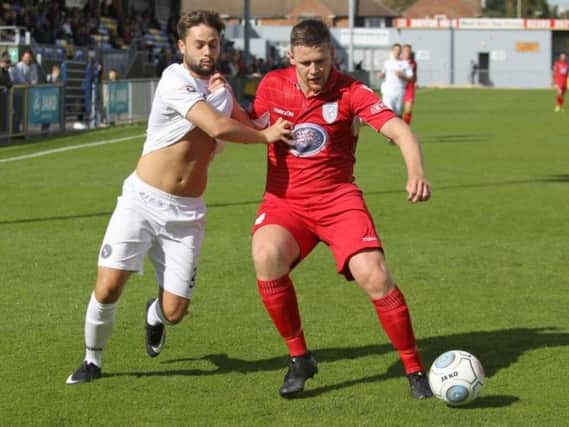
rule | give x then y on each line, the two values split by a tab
308	139
377	107
330	112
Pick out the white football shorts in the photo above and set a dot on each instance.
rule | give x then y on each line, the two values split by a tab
169	228
393	100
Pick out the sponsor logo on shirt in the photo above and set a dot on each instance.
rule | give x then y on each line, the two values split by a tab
308	139
369	239
330	111
283	112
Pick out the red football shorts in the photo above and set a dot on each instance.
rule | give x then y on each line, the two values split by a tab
340	219
561	88
409	95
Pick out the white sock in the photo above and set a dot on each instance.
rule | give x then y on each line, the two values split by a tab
99	323
154	315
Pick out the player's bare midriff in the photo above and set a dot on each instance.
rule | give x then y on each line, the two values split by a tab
181	168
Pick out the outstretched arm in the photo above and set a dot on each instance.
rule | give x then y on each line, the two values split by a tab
418	187
220	127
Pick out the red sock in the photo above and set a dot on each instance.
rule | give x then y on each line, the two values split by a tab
279	299
394	316
407	117
559	101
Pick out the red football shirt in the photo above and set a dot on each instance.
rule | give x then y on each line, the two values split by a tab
322	156
411	84
560	72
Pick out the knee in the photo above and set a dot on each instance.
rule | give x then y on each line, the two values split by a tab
268	257
374	278
108	289
174	313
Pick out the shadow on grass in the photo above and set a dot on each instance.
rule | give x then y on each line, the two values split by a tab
559	178
454	138
496	350
495	401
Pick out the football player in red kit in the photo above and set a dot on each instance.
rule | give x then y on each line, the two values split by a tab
560	75
310	196
407	54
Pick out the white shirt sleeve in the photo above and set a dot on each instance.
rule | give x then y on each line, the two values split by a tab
181	96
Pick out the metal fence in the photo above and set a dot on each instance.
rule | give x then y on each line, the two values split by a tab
27	111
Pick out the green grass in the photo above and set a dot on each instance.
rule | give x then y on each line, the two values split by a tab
484	266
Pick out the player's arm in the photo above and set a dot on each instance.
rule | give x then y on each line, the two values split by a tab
418	187
220	127
406	74
216	81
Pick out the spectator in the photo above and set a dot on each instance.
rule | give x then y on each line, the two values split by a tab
164	59
113	75
53	77
23	73
5	84
5	79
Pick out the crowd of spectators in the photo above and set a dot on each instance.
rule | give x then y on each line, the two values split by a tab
50	22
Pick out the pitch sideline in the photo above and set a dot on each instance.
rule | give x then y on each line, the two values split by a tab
68	148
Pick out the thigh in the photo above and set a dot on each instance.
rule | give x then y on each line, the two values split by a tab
275	251
129	235
285	224
175	256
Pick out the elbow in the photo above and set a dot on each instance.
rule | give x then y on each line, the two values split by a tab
217	129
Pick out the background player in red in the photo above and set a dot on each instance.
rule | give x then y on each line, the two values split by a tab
407	54
560	75
311	196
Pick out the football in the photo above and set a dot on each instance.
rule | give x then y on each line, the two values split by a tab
456	377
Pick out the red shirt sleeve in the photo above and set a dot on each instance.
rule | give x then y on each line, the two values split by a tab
368	106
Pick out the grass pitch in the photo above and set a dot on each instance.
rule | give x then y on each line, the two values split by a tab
484	266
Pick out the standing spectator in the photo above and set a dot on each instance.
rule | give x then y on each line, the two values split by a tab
5	78
53	77
5	84
24	73
164	59
473	72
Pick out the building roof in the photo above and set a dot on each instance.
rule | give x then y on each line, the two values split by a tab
449	8
281	8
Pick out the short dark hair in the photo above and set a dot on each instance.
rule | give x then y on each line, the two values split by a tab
395	45
198	17
310	32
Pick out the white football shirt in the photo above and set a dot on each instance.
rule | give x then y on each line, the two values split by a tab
392	82
176	93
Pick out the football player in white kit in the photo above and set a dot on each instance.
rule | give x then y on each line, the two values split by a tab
161	211
396	73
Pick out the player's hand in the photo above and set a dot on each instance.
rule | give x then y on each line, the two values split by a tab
279	131
216	81
418	190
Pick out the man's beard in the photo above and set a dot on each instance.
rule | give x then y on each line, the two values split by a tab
202	71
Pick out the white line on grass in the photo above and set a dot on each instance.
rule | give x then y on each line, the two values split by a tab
68	148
